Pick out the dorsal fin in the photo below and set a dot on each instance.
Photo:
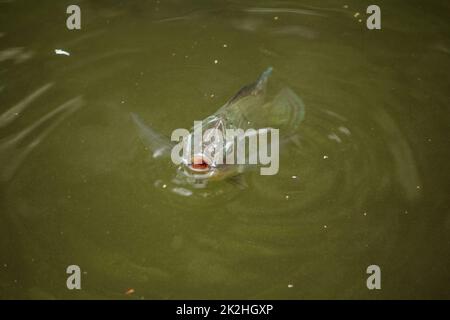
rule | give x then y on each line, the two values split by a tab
257	88
249	109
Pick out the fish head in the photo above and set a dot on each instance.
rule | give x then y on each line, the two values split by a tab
207	162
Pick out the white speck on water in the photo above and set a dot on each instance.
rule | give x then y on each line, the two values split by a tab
406	211
360	20
225	45
418	187
212	95
365	213
275	18
216	61
122	102
5	265
356	14
345	6
325	226
287	197
62	52
325	157
294	177
290	285
164	186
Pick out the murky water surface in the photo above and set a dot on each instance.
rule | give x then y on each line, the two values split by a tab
366	181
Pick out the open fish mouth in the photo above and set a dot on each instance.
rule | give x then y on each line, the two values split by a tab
200	164
200	168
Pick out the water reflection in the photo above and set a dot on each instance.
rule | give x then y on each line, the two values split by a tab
357	185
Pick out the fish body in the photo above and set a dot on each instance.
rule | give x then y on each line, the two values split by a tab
247	109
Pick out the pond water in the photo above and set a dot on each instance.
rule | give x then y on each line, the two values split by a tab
367	181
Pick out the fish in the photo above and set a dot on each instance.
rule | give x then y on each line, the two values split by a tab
247	109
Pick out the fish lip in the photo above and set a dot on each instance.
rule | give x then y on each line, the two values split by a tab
193	175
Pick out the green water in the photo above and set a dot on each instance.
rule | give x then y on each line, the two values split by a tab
366	183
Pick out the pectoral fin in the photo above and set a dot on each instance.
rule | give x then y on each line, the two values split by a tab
286	111
158	144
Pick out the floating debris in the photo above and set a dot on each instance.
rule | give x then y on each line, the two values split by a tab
225	45
129	291
216	61
356	14
62	52
325	157
290	285
275	18
294	177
